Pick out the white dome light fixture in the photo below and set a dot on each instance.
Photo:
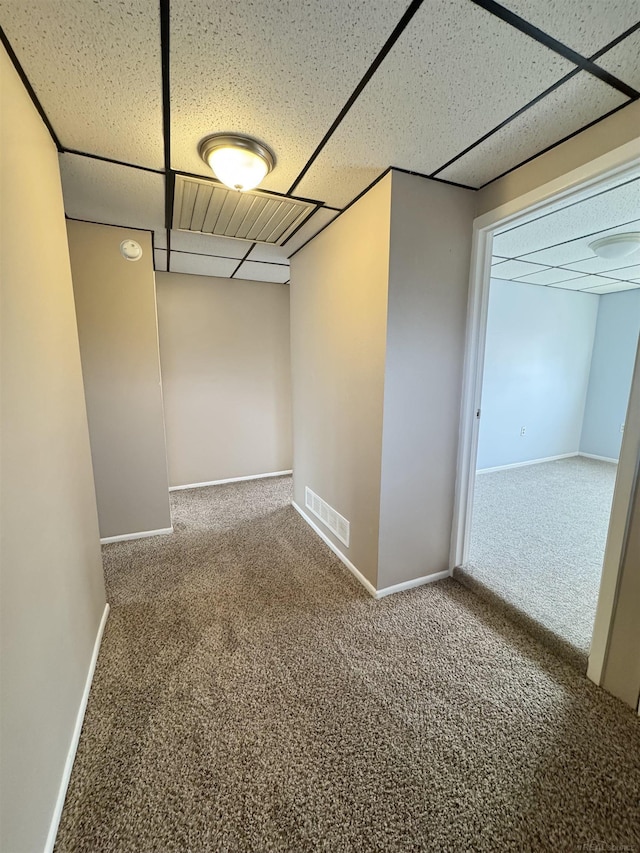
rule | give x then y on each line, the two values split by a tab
130	250
238	161
616	246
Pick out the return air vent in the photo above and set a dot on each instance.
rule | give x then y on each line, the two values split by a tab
336	523
209	207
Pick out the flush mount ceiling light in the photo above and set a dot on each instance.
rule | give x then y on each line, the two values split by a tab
130	250
238	161
616	245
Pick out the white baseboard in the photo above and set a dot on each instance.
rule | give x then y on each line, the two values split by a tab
75	738
599	458
230	480
401	587
357	574
528	462
143	535
375	593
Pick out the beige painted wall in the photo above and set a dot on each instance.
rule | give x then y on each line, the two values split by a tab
116	310
226	374
338	334
52	590
431	229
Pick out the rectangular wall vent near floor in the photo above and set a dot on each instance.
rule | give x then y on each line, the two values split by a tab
336	523
209	207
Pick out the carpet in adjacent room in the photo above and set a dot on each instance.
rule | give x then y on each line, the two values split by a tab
537	543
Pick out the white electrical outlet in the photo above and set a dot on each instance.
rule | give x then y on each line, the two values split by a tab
523	430
621	427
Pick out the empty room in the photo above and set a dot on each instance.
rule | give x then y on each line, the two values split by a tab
320	426
561	344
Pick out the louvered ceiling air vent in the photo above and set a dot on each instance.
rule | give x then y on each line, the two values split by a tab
211	208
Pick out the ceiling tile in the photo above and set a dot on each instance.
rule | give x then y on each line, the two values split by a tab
96	69
207	244
584	282
614	268
202	265
580	100
160	238
104	192
550	276
603	211
496	259
269	254
566	253
583	26
253	271
160	260
427	101
624	59
515	269
278	71
310	228
616	287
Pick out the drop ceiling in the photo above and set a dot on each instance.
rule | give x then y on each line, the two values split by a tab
456	90
551	249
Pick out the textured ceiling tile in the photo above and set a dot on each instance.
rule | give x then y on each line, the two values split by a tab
160	260
580	100
585	282
160	238
584	25
318	221
616	287
622	267
444	85
95	67
278	71
514	269
253	271
207	244
624	59
550	276
202	265
104	192
607	210
310	228
269	254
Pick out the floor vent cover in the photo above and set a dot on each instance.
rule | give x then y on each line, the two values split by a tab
336	523
209	207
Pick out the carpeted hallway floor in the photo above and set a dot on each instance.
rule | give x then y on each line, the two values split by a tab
251	696
538	540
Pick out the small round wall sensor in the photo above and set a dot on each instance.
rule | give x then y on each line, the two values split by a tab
130	250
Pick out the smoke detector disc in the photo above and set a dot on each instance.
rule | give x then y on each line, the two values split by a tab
130	250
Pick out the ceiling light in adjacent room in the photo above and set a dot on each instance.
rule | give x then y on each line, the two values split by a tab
240	162
616	245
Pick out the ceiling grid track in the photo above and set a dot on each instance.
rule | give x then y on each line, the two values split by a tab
582	63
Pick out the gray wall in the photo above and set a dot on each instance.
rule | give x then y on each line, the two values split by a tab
431	229
52	590
116	310
614	354
536	372
338	335
226	376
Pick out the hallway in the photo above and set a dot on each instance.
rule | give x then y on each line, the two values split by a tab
250	696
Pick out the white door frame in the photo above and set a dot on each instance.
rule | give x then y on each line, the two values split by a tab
621	164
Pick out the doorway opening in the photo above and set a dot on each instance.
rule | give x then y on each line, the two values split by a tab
554	330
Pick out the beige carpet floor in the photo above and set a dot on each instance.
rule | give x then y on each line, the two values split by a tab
251	696
537	544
